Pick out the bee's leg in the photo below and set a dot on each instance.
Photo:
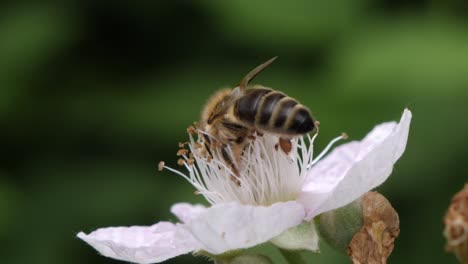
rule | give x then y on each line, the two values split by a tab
285	144
207	143
228	159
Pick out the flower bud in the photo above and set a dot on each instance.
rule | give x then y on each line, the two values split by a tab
337	227
365	229
456	225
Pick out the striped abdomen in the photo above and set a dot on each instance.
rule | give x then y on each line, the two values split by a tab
273	111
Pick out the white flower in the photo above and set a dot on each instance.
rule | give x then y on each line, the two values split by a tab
273	194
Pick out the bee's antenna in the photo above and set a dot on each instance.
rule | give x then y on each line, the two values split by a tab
251	75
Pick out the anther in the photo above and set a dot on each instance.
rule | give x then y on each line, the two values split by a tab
191	130
344	136
161	166
181	152
251	137
181	162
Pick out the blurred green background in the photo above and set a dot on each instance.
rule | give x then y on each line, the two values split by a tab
94	93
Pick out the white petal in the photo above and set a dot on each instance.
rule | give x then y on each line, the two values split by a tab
142	244
186	212
225	227
355	168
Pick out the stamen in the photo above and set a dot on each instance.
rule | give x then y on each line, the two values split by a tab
176	172
327	148
265	176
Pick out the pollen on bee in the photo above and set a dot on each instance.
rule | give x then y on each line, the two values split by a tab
181	162
161	165
181	152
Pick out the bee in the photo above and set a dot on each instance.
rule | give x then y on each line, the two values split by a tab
232	116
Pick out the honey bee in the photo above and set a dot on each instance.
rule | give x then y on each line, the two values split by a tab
232	116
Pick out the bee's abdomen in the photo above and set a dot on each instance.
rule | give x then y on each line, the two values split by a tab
246	107
275	112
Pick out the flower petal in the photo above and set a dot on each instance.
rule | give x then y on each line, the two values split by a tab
142	244
225	227
355	168
186	212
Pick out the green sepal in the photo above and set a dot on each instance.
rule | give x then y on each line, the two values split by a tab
337	227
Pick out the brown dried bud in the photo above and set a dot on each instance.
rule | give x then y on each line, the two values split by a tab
375	241
456	225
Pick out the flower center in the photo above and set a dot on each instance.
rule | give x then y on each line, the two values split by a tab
264	175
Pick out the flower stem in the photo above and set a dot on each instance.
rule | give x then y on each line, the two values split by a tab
292	257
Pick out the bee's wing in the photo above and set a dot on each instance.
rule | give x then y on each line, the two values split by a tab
251	75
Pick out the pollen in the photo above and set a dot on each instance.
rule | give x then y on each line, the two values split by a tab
344	135
181	162
191	130
182	152
161	165
182	144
